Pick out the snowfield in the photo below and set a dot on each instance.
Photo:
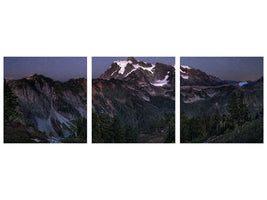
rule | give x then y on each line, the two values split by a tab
184	77
243	83
123	65
161	82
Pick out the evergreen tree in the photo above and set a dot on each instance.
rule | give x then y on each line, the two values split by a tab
106	128
82	128
243	110
184	128
118	131
96	133
195	127
171	130
10	104
130	134
233	108
217	123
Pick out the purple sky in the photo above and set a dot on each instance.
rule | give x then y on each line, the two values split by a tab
228	68
57	68
101	64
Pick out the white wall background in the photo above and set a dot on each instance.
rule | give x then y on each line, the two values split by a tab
132	28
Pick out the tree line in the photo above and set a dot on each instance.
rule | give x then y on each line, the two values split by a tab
10	104
198	129
106	129
110	130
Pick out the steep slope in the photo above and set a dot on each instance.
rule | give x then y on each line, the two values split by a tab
190	77
142	72
50	106
135	91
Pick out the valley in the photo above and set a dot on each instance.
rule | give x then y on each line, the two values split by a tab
215	110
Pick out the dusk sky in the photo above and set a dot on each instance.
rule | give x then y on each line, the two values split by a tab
101	64
57	68
228	68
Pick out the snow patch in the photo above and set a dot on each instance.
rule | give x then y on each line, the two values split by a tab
184	77
112	73
36	140
182	71
186	67
129	72
161	82
122	65
150	69
146	98
243	83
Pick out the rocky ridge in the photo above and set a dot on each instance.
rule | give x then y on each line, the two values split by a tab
51	106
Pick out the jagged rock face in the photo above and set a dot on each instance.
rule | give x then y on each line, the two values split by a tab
190	76
135	91
158	79
146	72
48	105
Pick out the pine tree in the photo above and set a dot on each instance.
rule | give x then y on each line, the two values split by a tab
96	134
244	113
184	128
171	130
233	108
118	131
106	128
82	128
130	134
234	111
217	123
10	104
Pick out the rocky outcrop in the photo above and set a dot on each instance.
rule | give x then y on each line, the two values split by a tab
51	106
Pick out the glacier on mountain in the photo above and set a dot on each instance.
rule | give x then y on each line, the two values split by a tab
243	83
160	83
184	76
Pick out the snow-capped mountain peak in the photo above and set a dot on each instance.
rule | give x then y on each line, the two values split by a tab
191	76
134	65
141	73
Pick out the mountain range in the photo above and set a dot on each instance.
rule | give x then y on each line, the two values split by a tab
203	94
219	111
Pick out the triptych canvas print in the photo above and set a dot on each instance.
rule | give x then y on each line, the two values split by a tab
133	100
